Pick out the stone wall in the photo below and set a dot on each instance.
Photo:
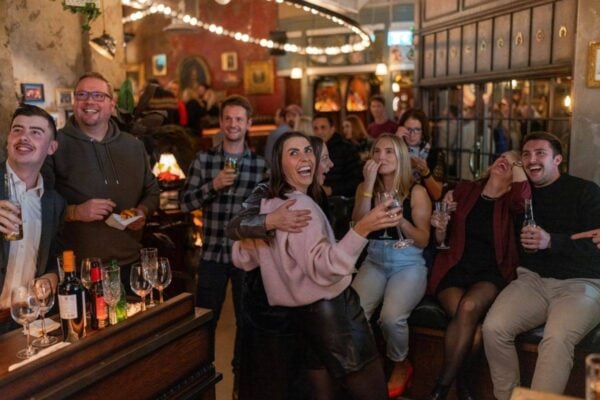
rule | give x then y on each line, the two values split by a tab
585	136
42	43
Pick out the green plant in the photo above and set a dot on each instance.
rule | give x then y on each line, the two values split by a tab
89	11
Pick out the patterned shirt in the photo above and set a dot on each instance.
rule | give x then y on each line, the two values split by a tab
219	207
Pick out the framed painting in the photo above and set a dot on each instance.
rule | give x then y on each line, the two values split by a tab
64	97
32	92
229	61
159	65
593	73
259	77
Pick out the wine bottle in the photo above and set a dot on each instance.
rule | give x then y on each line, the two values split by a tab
99	307
71	301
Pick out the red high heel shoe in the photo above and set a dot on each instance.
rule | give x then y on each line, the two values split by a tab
399	390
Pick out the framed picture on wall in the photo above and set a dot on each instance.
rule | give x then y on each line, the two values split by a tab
32	92
229	61
258	77
593	75
159	65
64	97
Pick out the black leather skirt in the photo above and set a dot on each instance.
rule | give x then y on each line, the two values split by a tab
337	334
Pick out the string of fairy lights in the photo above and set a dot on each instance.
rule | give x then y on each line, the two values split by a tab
153	7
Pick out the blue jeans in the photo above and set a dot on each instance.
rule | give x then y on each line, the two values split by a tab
398	278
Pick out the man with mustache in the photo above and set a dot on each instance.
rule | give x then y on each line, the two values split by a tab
219	191
558	282
100	170
30	140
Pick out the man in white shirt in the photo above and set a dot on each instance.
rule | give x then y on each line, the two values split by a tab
30	140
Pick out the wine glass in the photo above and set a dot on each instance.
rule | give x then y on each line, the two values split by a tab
441	209
139	283
24	309
111	288
396	204
230	164
85	271
149	260
44	294
381	198
163	276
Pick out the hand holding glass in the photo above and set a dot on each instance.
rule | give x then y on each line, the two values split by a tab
139	284
396	204
24	309
44	294
441	210
230	165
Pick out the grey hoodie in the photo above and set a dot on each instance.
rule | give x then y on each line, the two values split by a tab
115	168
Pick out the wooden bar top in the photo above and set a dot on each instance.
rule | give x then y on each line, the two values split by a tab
159	353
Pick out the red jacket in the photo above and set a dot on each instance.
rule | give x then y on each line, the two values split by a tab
506	207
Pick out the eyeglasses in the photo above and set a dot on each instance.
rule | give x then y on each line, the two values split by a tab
414	130
82	95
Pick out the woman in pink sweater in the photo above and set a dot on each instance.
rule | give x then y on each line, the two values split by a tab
310	272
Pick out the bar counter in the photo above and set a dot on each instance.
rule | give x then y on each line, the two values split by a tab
163	353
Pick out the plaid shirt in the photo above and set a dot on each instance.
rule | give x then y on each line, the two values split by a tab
219	207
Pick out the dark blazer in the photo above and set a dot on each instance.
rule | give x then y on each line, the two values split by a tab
53	206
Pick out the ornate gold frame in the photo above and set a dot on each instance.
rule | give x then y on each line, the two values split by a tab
593	71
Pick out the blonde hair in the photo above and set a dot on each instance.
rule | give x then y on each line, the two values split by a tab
403	177
304	125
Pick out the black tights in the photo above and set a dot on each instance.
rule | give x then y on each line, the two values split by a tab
462	342
366	384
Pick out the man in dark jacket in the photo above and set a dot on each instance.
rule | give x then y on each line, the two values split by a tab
346	173
30	140
558	282
101	170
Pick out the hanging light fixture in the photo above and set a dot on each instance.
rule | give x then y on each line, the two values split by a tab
381	69
296	73
104	44
156	7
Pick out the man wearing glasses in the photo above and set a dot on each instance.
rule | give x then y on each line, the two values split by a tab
101	170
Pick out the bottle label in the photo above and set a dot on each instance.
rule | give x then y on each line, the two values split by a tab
68	306
101	312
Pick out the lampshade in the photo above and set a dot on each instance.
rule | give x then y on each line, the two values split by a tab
381	69
296	73
105	44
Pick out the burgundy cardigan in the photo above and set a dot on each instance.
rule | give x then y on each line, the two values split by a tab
506	207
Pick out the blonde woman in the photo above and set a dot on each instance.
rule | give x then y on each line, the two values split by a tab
396	277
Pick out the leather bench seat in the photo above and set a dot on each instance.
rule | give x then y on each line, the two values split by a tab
429	314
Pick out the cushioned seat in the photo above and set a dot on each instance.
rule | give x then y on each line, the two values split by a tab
429	314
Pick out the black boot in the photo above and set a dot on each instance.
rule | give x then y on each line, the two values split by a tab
439	392
463	391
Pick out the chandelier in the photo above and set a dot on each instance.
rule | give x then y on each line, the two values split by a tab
352	26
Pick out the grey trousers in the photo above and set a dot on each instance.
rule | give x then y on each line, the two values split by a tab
570	308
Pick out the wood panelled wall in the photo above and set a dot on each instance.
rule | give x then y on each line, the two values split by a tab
476	40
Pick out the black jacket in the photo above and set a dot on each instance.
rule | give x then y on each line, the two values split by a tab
346	173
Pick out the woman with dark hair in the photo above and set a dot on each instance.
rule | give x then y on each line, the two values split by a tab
310	273
428	164
482	258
